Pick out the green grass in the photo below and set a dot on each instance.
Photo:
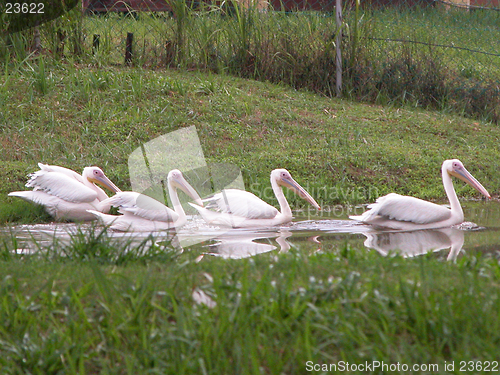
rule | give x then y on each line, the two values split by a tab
121	314
264	33
458	29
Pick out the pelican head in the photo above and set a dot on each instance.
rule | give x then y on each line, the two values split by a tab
454	167
97	176
177	180
284	178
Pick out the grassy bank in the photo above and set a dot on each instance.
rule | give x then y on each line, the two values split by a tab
101	311
342	151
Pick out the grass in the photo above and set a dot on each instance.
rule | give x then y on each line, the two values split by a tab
269	314
95	306
454	28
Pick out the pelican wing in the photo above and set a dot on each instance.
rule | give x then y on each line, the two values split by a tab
141	205
63	170
59	208
243	204
403	208
62	186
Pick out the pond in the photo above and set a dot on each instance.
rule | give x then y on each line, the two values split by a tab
307	233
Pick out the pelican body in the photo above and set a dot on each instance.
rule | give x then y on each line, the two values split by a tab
408	213
67	195
241	209
141	213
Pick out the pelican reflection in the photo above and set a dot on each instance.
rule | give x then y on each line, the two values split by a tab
244	244
414	243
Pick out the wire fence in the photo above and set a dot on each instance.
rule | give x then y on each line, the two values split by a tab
390	48
464	34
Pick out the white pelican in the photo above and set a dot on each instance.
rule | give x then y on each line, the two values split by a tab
141	213
65	194
242	209
408	213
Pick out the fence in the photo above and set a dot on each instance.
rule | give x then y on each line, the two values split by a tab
421	50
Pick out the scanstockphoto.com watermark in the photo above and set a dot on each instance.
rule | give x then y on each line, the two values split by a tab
337	211
324	195
381	366
181	149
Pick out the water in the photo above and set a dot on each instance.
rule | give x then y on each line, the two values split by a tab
331	230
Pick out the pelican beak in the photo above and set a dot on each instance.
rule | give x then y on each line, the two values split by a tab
464	175
291	184
105	182
182	184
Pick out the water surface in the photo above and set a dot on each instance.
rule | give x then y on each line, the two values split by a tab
329	230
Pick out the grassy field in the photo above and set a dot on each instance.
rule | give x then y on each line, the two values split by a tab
127	310
216	33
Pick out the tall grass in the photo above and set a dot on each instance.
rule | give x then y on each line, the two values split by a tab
298	49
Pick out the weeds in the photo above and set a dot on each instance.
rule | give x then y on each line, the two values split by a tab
85	244
297	49
41	78
421	79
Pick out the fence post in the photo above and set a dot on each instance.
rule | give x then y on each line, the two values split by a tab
169	52
338	40
61	37
37	44
95	43
128	49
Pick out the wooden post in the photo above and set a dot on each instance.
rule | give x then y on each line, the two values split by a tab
95	43
36	47
61	36
128	49
338	41
169	53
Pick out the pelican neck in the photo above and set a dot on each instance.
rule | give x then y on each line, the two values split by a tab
456	208
176	204
278	192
